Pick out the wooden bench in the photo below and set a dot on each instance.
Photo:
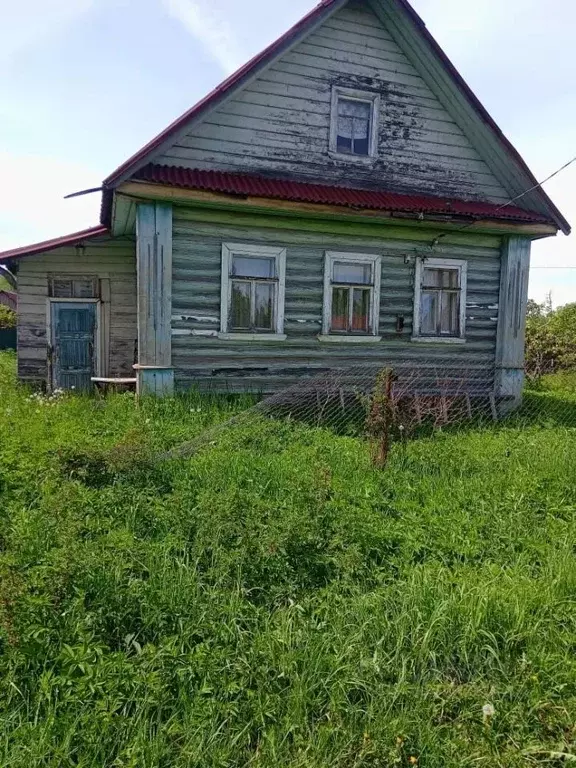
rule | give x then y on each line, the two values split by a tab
103	384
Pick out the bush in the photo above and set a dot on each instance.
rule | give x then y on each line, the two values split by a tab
550	338
7	317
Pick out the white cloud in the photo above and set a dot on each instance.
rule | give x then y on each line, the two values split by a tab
211	29
26	22
32	205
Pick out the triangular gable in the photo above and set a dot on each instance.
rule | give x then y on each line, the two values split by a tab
480	164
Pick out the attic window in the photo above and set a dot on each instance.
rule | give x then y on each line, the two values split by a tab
354	123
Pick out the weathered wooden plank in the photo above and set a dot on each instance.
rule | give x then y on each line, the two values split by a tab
200	357
107	259
154	273
280	121
512	317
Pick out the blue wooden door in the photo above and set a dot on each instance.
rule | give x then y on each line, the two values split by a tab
73	344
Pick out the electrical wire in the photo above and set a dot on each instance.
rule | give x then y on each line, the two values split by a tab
509	202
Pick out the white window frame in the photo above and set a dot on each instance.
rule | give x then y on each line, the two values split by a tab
440	263
229	250
375	261
373	99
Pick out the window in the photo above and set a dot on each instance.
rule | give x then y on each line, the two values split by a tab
354	123
73	287
440	300
253	287
351	295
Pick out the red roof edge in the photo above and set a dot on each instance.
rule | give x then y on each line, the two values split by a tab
221	89
251	185
58	242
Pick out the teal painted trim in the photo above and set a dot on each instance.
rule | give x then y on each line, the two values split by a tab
154	268
155	381
511	333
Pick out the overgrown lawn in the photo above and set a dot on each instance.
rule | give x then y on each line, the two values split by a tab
275	601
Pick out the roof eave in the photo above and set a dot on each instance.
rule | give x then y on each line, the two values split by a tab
76	238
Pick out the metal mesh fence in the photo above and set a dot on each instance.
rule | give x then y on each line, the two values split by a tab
390	401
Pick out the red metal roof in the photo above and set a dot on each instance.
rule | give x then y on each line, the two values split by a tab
325	7
248	185
58	242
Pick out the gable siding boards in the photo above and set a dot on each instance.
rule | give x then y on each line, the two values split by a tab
111	260
280	123
200	358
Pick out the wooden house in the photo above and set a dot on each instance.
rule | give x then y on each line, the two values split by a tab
342	199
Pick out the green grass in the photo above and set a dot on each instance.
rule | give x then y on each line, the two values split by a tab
274	600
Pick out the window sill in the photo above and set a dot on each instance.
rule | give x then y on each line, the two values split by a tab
438	340
333	339
345	157
252	336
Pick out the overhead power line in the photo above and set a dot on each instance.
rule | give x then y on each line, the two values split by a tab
509	202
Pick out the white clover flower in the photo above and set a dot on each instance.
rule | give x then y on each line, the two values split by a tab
488	711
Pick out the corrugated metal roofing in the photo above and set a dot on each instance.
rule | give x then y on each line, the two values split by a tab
248	185
58	242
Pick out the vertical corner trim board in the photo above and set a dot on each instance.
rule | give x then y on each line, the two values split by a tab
154	267
511	337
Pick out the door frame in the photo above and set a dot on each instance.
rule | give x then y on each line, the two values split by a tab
99	341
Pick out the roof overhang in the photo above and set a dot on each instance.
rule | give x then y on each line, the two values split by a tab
74	239
315	201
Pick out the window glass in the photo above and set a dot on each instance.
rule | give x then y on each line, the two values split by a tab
74	288
340	309
361	310
264	305
348	272
354	122
240	305
251	266
449	314
440	302
428	313
62	289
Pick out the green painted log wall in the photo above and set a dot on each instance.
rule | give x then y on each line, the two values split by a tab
201	358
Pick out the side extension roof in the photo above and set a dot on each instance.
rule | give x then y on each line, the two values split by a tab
76	238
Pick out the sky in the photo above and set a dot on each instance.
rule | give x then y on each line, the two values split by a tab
85	83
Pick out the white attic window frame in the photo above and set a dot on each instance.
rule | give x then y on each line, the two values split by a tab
353	94
229	250
461	265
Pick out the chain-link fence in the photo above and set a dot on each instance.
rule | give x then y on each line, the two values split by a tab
390	401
